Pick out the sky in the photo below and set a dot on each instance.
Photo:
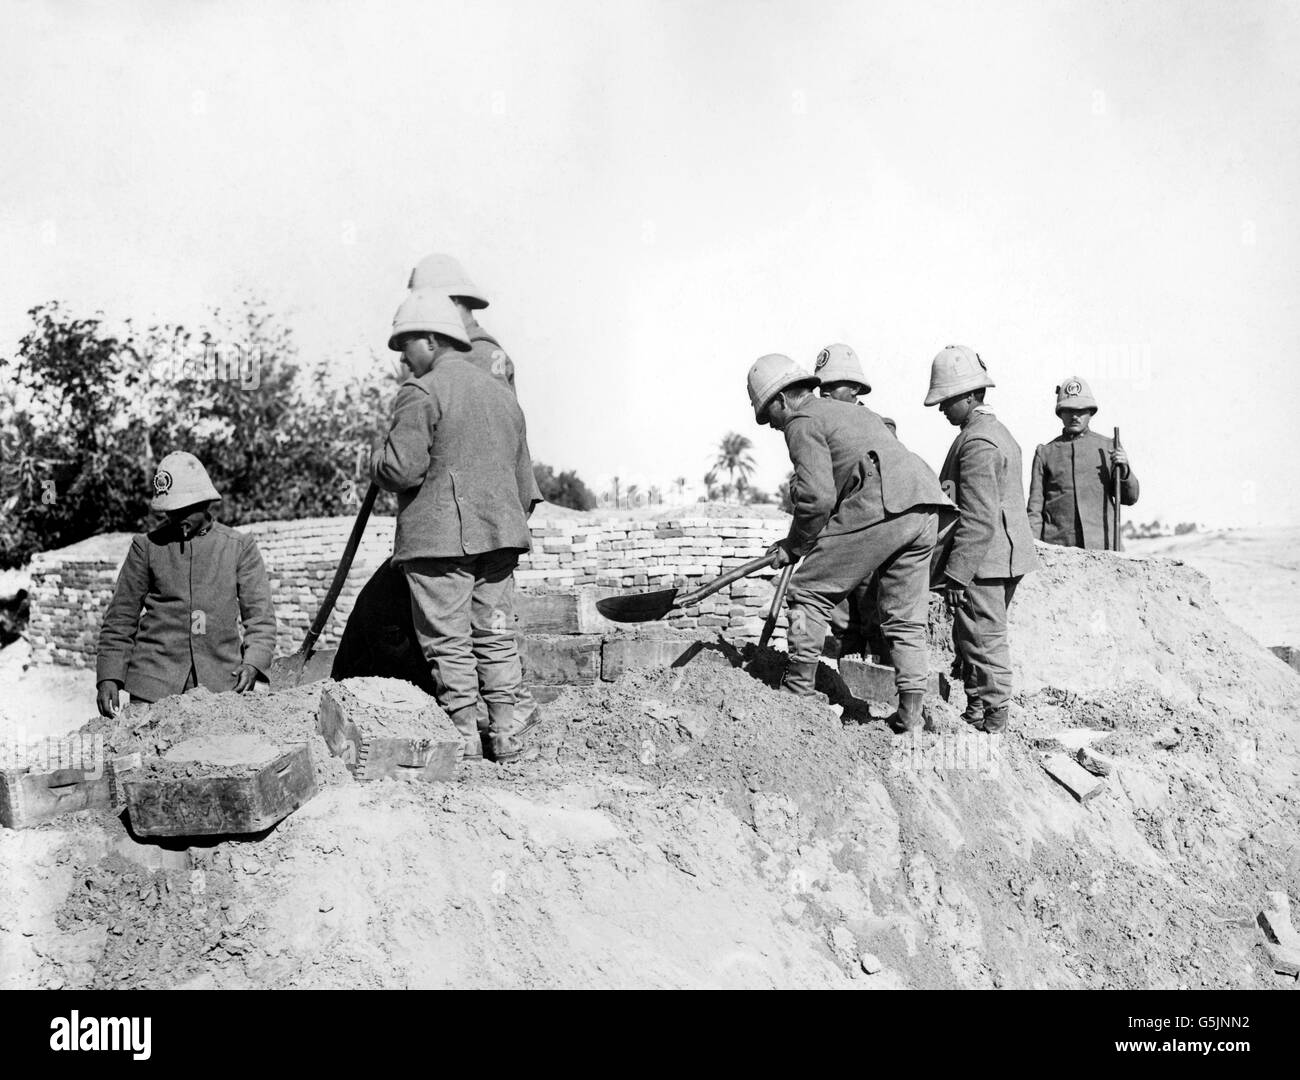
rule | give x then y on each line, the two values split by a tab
656	193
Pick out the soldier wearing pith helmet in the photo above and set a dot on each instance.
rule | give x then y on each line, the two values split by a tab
1073	477
842	377
862	503
443	274
456	454
990	548
184	592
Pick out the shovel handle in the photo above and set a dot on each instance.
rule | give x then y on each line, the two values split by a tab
778	598
751	567
341	574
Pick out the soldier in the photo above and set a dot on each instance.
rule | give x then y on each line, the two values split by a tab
1072	480
457	456
990	548
862	503
443	274
855	624
843	379
196	581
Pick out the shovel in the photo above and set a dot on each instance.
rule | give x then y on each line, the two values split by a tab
287	671
649	606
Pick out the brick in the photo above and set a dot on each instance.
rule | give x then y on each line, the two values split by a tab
560	660
1073	777
386	728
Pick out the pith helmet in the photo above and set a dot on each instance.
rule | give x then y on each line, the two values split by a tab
1074	393
181	480
839	363
444	274
956	370
769	376
427	311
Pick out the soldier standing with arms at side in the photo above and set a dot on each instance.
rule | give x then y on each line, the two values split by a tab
863	503
457	456
1072	479
991	547
184	591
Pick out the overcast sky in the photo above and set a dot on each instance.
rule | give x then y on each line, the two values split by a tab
656	193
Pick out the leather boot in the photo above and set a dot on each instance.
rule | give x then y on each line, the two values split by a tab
909	716
973	714
800	678
503	742
995	720
466	721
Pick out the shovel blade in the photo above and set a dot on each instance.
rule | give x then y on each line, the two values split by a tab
638	607
298	668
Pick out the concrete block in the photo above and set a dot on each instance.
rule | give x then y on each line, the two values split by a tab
561	660
1095	763
1073	777
1284	961
388	728
619	655
1288	654
869	681
1275	921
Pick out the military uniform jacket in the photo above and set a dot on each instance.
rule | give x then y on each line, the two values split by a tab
457	456
850	472
194	594
1070	485
982	473
487	355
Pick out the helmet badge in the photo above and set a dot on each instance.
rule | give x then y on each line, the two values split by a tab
162	482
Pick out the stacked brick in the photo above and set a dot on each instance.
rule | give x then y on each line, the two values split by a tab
71	588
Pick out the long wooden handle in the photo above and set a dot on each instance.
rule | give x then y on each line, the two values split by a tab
778	598
341	574
739	572
1117	476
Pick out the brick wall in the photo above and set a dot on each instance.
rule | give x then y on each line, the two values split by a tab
71	587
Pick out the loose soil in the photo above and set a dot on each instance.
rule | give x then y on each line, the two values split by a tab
695	828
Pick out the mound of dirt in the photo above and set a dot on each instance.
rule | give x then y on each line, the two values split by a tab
693	827
200	733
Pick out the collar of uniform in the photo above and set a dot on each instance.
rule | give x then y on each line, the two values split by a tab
810	406
476	331
982	410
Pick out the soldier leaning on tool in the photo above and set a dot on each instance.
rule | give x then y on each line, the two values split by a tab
195	580
457	456
855	624
863	503
442	273
991	547
1071	482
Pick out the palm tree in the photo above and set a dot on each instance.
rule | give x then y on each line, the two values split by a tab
734	456
711	484
681	487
